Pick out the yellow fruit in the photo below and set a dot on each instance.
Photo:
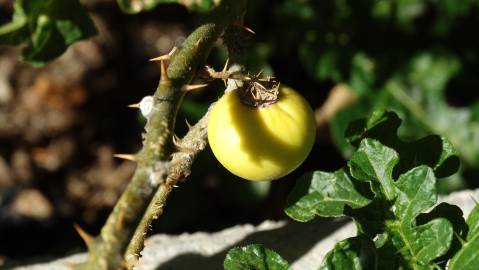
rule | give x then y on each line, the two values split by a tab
261	143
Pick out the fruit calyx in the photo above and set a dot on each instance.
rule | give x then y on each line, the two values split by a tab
259	93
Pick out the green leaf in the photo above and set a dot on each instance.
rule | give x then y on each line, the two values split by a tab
424	243
135	6
434	151
467	258
323	194
254	257
473	222
429	241
416	193
47	28
356	253
393	212
375	162
455	216
420	239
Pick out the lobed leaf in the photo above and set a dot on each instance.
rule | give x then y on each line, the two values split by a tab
375	162
424	243
467	258
47	28
434	151
416	193
419	239
455	216
430	241
473	222
393	212
254	257
324	194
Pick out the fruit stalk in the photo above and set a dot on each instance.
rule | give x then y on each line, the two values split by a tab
108	249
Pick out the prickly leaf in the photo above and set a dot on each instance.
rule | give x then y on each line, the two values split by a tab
323	194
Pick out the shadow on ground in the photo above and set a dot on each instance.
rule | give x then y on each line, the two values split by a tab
291	241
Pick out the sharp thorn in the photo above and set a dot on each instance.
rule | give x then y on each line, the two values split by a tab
245	28
225	68
125	156
160	58
173	50
87	238
164	56
249	30
474	199
176	140
188	124
135	106
460	239
164	73
191	87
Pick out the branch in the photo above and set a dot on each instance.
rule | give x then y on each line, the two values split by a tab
107	250
190	146
237	39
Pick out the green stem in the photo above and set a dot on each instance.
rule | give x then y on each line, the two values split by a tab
106	253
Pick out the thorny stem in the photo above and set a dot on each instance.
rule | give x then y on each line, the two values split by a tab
108	249
189	147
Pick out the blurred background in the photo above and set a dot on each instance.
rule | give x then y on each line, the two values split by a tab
60	124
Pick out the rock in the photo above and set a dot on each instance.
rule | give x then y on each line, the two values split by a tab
302	244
